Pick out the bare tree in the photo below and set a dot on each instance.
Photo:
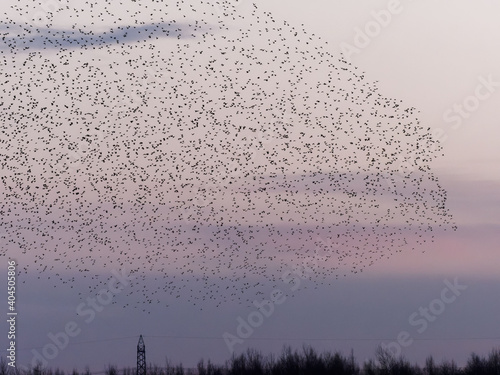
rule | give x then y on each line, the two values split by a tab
111	370
385	359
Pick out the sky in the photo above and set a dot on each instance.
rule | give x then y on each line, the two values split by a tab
337	283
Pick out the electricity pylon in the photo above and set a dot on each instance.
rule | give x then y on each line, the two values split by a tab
141	357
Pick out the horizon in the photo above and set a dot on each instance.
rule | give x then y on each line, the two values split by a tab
383	357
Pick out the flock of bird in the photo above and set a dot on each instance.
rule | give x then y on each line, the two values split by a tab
206	147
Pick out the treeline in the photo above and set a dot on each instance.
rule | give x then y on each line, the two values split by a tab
298	362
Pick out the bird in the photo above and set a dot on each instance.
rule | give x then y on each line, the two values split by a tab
210	151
